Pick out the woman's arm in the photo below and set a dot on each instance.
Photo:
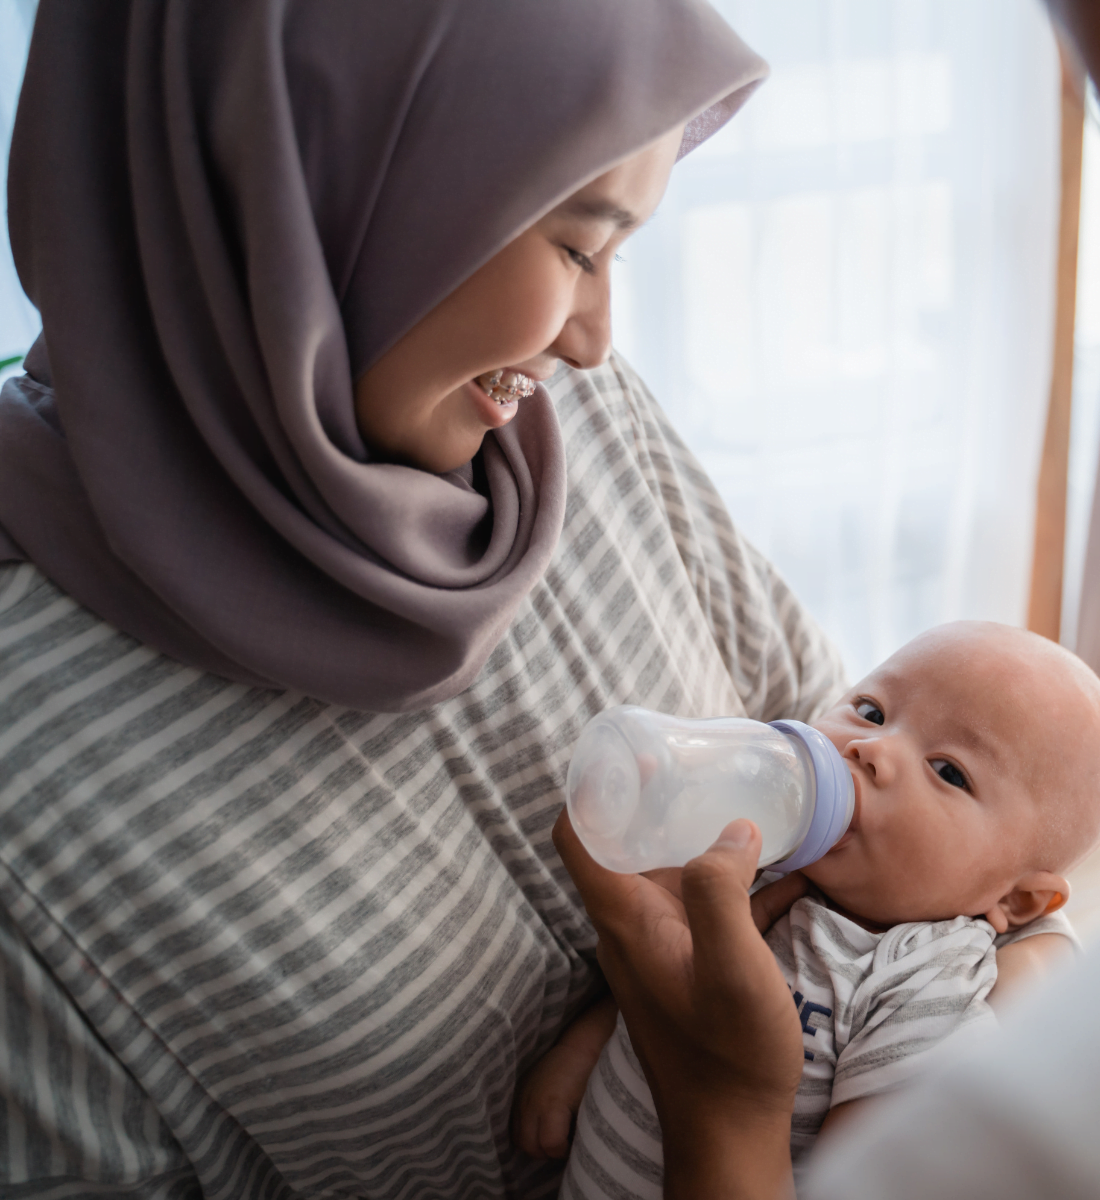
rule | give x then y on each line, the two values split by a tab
1026	963
709	1013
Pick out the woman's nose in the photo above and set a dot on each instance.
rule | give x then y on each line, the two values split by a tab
585	339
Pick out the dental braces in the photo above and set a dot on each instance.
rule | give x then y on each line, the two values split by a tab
506	386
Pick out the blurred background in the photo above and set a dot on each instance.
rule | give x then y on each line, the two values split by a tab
846	304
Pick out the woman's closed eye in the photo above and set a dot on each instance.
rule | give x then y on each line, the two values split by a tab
870	711
582	260
949	773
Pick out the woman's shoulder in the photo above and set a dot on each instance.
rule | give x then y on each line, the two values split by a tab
74	689
611	398
37	620
40	624
20	581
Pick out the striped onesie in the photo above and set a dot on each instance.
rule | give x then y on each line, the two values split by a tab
873	1007
253	945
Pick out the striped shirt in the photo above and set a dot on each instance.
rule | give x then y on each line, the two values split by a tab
253	945
873	1007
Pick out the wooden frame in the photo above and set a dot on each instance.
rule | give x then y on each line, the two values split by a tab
1048	562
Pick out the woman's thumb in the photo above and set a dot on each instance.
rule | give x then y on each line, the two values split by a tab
715	888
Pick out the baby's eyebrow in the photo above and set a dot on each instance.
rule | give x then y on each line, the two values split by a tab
973	739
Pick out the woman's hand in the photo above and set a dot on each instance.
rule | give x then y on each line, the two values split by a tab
709	1013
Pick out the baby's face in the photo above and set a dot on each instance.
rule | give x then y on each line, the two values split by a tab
949	744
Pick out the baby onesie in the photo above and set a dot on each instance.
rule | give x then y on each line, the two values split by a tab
872	1006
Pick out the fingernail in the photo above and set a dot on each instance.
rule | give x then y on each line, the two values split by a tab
739	834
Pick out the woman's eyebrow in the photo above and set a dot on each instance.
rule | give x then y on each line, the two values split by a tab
601	210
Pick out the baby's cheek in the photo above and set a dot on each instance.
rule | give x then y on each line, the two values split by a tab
872	886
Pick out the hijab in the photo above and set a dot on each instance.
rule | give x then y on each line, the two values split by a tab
225	213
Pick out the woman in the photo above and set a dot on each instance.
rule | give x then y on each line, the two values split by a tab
318	568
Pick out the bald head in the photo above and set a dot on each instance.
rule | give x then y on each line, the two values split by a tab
1035	707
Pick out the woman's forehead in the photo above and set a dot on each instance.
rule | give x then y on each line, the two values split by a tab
625	196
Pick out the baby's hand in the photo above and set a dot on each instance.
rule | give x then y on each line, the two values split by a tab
549	1095
548	1100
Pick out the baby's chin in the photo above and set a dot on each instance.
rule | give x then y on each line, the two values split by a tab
828	875
874	904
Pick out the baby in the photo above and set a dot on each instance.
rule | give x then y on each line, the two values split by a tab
976	757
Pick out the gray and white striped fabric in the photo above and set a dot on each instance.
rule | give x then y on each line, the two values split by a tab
875	1008
257	946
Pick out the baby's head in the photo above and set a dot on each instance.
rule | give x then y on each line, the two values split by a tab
976	755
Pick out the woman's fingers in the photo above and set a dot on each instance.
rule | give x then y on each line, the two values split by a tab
667	877
604	892
709	1012
644	942
739	988
615	902
715	890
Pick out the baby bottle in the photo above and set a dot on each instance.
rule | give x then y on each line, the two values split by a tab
648	790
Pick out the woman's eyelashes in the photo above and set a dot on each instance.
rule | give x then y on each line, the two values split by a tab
870	711
582	260
949	773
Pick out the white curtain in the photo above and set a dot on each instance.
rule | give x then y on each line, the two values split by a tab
846	305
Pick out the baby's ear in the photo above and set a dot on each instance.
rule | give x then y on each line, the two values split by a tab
1035	895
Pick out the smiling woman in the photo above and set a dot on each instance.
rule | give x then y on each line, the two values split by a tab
302	623
286	234
543	299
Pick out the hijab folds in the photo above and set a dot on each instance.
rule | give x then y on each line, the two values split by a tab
225	213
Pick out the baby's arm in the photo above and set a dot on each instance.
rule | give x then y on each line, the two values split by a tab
550	1093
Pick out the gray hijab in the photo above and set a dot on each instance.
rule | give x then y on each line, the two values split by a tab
226	212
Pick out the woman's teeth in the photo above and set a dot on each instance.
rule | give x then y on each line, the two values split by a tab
506	386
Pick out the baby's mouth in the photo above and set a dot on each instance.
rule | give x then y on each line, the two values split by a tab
505	387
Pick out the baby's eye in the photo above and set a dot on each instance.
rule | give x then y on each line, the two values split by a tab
949	773
870	711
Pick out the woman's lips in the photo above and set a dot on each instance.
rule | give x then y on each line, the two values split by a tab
489	412
497	395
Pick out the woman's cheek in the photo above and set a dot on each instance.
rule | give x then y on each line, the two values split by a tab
528	323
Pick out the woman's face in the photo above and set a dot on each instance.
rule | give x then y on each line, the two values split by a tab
544	297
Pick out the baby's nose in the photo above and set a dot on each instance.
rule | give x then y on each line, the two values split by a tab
865	760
